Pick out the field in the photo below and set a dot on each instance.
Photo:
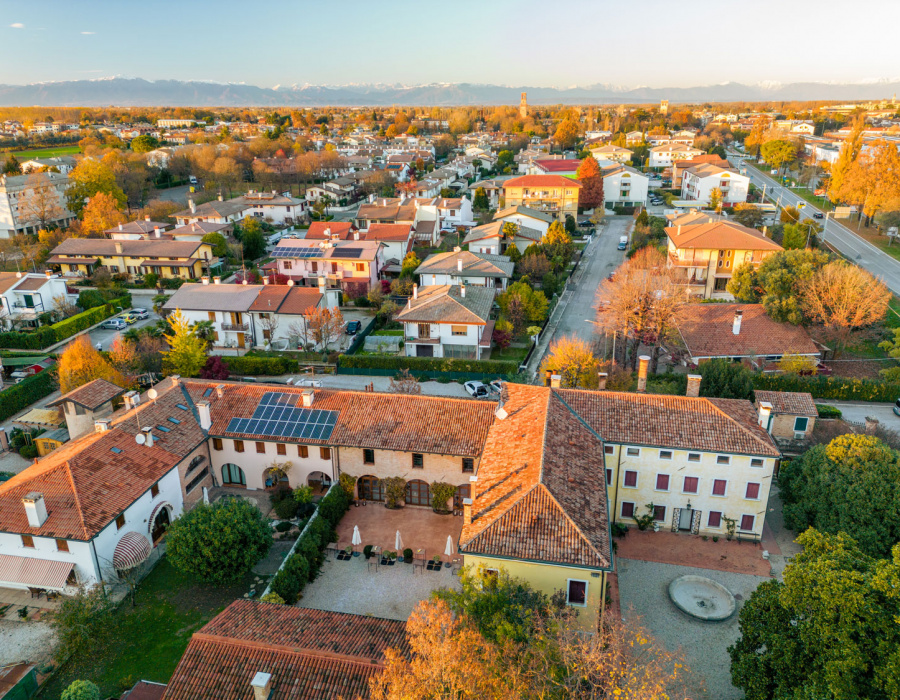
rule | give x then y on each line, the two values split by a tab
47	152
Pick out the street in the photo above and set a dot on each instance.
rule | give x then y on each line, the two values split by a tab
857	412
836	234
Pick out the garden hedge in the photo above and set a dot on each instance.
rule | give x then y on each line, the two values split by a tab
25	393
821	387
429	364
48	335
268	366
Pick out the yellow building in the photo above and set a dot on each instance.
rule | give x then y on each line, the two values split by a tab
705	251
555	195
166	258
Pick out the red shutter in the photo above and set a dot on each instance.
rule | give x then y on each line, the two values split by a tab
752	491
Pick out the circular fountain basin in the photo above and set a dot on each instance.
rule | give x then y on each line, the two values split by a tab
702	598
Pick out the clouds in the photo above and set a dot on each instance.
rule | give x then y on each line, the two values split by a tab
89	33
17	25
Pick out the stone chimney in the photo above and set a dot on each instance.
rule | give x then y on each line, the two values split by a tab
101	425
555	381
308	394
693	385
262	686
205	415
193	206
765	410
148	436
736	324
204	279
217	280
643	365
603	377
416	292
35	509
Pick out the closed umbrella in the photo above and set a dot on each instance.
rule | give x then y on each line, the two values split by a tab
357	540
398	543
448	550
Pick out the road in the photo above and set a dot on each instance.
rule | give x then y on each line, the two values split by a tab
105	337
173	194
860	251
857	412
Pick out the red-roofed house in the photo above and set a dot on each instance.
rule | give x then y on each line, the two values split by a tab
397	239
551	194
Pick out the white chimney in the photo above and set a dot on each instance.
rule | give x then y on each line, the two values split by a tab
221	198
132	398
101	425
459	264
205	415
146	217
220	390
175	379
262	686
265	281
643	366
157	232
765	410
120	227
307	395
462	291
693	385
356	235
35	509
118	245
603	377
736	324
148	436
49	274
555	381
457	249
416	292
193	205
204	279
217	280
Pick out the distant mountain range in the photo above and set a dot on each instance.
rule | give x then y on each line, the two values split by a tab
125	92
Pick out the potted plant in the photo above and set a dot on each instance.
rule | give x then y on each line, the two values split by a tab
367	551
408	555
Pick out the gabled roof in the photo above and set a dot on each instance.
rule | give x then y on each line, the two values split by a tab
388	232
541	181
557	165
311	654
795	403
720	235
91	395
139	226
154	247
445	303
707	332
343	230
495	230
217	209
214	297
521	210
473	264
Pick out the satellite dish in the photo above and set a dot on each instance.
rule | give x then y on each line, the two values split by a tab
152	394
140	439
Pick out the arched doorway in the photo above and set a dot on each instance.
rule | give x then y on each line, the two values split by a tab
319	481
233	475
369	488
418	493
464	491
275	478
160	524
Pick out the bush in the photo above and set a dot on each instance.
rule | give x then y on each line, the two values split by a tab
90	298
286	508
826	411
367	551
291	579
408	555
272	598
80	619
254	366
837	388
26	393
428	364
151	279
441	493
283	526
38	340
619	529
29	451
220	542
81	690
333	506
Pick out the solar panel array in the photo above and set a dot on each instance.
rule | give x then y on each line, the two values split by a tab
295	252
347	252
277	415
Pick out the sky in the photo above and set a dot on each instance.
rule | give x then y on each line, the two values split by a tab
630	43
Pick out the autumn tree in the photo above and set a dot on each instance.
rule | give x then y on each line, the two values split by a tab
404	383
123	356
847	156
791	363
325	326
789	215
844	297
748	215
41	207
778	152
755	138
81	363
566	134
572	359
88	178
715	199
100	214
590	196
186	355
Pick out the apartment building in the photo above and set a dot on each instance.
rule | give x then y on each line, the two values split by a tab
167	258
281	209
664	155
554	195
699	181
29	203
624	186
25	296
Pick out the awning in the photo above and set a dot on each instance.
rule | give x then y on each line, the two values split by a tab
169	263
34	573
133	549
62	259
161	504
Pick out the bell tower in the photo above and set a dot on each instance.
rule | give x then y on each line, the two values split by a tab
523	107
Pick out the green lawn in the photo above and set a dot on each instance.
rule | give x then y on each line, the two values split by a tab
47	152
818	202
510	353
147	641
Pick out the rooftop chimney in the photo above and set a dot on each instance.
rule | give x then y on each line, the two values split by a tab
176	379
35	509
356	235
262	686
120	227
204	279
217	280
765	410
220	390
157	232
736	324
148	436
146	217
205	416
693	385
308	394
462	291
467	511
49	274
555	381
459	264
132	399
221	198
643	365
101	425
265	281
193	206
601	384
416	292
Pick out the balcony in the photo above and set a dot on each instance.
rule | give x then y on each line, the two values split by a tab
239	327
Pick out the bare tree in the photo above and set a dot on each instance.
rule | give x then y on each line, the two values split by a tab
325	325
42	206
269	323
300	329
62	305
405	383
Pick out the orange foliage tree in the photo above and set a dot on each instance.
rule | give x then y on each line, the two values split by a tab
80	363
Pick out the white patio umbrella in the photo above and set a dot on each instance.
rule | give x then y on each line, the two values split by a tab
398	543
357	540
448	550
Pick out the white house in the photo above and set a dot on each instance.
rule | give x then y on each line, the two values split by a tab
490	239
63	164
525	217
466	268
279	208
352	265
698	182
397	239
226	306
664	155
216	212
448	321
624	186
616	154
281	312
453	212
25	296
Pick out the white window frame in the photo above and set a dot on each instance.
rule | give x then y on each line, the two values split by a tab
691	493
758	492
726	458
663	453
694	457
637	478
656	483
760	460
587	584
806	427
712	489
633	452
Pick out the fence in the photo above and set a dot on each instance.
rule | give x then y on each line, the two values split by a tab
360	337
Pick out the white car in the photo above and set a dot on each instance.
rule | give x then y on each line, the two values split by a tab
477	389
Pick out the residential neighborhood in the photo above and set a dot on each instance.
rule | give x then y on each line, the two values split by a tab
385	379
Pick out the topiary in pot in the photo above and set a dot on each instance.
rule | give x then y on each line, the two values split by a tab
408	555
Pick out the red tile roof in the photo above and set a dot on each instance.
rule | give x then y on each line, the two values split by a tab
311	654
720	235
388	232
558	165
795	403
342	229
541	181
91	395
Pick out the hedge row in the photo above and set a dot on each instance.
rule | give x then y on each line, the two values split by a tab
429	364
48	335
25	393
303	565
837	388
269	366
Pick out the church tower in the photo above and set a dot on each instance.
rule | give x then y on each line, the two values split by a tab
523	107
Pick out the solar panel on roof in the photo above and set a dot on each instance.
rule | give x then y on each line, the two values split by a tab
276	415
347	253
295	252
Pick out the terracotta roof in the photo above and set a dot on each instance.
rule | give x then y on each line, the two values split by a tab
311	654
300	300
444	303
473	264
198	228
139	226
214	297
342	229
495	230
720	235
388	232
537	495
8	279
558	165
707	332
436	425
215	208
541	181
88	482
392	211
795	403
154	247
145	690
523	211
91	395
31	284
270	297
710	170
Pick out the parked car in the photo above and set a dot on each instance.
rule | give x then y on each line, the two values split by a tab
477	389
818	215
897	407
353	327
585	224
114	324
128	317
140	314
623	243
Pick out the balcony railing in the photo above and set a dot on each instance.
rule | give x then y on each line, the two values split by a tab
239	327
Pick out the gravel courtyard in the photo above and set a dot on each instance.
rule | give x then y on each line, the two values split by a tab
643	592
25	641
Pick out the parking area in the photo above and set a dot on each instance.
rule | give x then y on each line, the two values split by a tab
105	337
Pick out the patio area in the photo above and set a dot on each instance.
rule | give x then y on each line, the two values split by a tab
420	528
13	599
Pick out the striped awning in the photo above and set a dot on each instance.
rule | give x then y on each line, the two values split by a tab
34	573
161	504
132	550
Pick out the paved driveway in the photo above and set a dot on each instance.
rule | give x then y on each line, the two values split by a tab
856	412
106	337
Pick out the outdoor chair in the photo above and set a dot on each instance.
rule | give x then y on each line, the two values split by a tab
455	566
419	560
